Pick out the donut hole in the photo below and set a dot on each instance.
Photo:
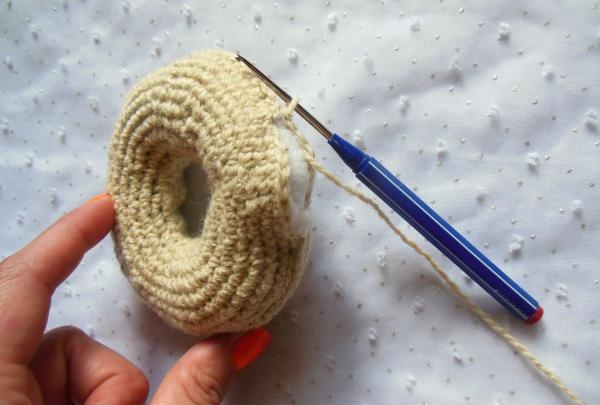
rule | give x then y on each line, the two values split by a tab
197	198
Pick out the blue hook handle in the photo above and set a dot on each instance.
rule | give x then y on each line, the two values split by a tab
437	231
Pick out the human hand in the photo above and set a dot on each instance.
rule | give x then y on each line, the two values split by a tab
65	364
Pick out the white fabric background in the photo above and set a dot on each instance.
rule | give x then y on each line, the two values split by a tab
67	66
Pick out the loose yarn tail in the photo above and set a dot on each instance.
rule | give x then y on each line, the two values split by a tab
470	304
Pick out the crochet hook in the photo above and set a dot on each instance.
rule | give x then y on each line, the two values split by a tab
421	217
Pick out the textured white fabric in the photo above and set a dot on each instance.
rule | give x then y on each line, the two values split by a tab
489	110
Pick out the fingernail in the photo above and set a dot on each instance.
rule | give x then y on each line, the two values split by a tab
96	198
249	347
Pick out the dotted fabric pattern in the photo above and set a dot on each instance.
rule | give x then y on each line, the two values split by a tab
488	110
237	272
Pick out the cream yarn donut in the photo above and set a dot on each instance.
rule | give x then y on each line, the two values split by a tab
249	256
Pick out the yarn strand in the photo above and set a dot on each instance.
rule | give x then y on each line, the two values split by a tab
500	330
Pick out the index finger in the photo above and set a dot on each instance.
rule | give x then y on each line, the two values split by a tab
29	277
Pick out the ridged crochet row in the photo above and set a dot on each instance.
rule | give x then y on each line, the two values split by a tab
236	274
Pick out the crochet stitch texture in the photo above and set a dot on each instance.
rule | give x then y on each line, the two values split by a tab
238	272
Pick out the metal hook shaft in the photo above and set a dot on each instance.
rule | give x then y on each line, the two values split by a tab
286	97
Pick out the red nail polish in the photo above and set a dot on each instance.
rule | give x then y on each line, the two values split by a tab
249	347
96	198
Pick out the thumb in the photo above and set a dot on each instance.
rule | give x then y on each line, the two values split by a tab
201	376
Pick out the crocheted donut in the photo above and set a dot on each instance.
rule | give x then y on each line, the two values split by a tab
238	271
